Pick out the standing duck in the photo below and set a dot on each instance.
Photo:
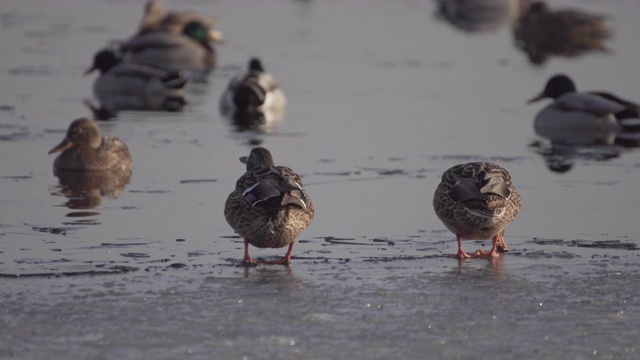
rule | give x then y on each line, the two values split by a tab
135	87
269	208
583	111
83	148
253	90
190	50
477	201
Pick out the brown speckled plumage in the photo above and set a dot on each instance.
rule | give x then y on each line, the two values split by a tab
542	32
268	208
83	148
477	201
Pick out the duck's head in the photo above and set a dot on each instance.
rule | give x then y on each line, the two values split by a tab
259	156
200	32
539	7
82	132
556	86
103	60
255	64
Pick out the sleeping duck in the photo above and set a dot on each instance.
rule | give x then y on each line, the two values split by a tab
122	86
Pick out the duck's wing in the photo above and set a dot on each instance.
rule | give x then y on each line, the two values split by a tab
477	181
589	103
268	182
157	39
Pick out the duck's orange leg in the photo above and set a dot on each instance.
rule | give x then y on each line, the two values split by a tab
284	260
247	260
502	246
494	248
461	254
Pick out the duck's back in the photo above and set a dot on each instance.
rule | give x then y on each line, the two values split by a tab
112	154
269	206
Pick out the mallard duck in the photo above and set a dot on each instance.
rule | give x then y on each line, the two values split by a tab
189	50
157	18
477	201
582	111
541	32
252	90
269	207
83	148
135	87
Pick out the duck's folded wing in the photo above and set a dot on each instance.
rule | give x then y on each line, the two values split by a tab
159	39
590	103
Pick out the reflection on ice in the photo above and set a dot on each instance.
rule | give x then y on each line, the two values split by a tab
85	189
563	150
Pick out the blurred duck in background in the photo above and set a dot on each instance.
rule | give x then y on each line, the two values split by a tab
541	32
583	126
253	98
191	50
178	40
583	111
124	86
157	18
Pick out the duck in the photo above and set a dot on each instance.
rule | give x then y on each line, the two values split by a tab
253	90
189	50
582	111
157	18
123	86
83	148
269	207
477	201
541	32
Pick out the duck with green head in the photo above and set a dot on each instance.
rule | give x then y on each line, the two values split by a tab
268	208
189	50
157	18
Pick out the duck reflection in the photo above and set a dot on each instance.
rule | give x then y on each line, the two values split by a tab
561	158
563	148
254	120
478	15
541	32
85	189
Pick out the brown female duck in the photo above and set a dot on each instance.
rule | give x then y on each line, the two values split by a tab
269	207
83	148
477	201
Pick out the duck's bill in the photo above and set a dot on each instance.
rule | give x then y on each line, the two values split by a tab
537	97
64	145
89	71
216	36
